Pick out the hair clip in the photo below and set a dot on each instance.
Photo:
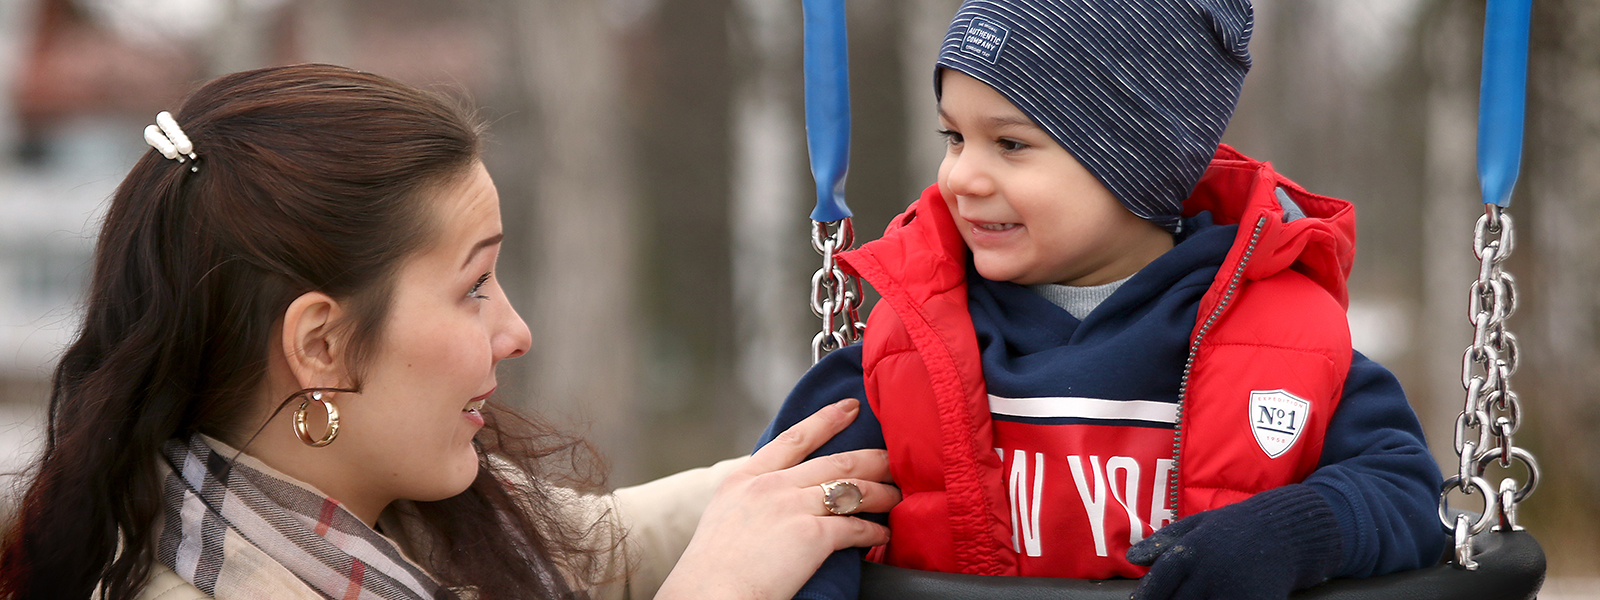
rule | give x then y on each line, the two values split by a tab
168	139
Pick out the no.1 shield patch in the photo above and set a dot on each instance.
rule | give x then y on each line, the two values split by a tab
1277	417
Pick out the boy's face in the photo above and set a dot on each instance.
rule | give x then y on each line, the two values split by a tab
1025	207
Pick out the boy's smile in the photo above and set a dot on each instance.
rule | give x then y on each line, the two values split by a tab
1025	207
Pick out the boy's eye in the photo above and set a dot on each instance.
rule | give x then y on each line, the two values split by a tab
950	137
1010	145
473	293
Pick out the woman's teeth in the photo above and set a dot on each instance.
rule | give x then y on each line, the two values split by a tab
474	405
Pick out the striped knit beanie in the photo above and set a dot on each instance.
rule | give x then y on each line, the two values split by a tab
1138	91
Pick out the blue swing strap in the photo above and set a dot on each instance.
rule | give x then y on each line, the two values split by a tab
835	297
1502	97
827	73
1491	412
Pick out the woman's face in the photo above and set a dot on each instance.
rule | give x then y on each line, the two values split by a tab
408	434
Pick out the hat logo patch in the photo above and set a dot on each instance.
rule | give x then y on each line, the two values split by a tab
985	39
1277	417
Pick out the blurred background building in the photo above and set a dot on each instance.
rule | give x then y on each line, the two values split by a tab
651	162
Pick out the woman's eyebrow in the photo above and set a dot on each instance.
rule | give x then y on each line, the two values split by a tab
484	243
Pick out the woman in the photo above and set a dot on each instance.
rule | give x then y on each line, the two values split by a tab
280	388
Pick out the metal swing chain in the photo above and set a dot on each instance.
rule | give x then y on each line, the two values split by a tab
1491	409
835	297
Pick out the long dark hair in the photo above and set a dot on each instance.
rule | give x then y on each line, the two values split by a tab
310	177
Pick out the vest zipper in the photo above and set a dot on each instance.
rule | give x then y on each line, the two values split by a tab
1194	348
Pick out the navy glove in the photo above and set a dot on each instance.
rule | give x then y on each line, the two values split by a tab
1259	549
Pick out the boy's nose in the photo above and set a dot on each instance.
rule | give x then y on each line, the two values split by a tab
968	176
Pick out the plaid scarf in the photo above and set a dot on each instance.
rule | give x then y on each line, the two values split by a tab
235	528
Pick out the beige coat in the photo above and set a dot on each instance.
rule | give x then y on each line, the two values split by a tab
658	517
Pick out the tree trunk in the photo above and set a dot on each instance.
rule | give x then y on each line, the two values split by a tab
768	215
922	27
1558	262
1452	43
584	312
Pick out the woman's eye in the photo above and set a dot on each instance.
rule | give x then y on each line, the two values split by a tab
1010	145
476	287
950	137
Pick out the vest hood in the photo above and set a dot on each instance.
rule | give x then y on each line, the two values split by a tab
1312	234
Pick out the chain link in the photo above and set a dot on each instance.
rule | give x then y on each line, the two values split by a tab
835	297
1491	408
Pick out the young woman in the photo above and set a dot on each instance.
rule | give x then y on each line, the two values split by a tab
283	388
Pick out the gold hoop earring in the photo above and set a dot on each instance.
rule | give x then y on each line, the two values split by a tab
300	421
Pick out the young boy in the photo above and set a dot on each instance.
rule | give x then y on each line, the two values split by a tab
1110	347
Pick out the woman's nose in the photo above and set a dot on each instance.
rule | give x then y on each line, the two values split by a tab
512	337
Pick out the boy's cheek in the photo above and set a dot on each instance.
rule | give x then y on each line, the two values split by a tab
949	198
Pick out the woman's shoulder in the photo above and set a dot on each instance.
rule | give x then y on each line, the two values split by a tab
165	584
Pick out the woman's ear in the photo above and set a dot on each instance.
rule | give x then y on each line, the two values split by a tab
312	344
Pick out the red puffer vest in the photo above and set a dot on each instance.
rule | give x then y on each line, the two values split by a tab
1268	356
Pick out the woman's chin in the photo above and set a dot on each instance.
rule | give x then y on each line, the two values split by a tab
461	472
466	473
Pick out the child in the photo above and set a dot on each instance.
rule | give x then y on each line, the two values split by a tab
1110	347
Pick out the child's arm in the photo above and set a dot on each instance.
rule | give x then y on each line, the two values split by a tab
836	377
1379	478
1368	509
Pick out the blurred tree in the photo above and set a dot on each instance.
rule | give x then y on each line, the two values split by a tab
1450	41
681	86
922	28
879	186
242	38
770	187
325	30
584	235
1559	266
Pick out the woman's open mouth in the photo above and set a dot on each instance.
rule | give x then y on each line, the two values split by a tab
473	411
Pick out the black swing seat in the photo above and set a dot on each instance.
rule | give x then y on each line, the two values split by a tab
1510	567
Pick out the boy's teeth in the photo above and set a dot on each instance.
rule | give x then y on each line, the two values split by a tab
999	227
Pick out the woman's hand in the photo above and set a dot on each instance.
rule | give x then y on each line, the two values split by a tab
766	529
